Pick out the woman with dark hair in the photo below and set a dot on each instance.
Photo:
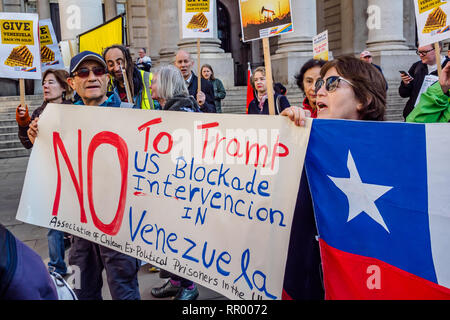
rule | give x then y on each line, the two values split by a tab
56	90
207	73
306	80
348	89
351	89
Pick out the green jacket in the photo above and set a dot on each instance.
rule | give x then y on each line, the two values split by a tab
219	94
434	106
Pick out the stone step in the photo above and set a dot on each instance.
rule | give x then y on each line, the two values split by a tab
9	129
8	122
10	144
14	153
8	136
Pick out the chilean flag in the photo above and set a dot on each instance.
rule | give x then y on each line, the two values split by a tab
250	92
381	194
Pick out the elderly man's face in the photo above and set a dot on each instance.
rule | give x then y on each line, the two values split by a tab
93	87
184	62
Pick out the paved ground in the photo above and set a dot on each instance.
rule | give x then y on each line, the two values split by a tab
12	174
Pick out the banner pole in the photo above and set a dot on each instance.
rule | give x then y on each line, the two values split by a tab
269	81
437	50
199	68
22	92
127	85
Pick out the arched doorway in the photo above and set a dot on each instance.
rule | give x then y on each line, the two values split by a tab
223	26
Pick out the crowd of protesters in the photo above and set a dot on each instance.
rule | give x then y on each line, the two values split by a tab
344	88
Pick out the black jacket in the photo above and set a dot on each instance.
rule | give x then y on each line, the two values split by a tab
418	71
281	103
182	103
208	89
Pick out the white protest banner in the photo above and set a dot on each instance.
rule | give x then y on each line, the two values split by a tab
265	18
50	54
19	48
197	18
203	196
320	46
432	21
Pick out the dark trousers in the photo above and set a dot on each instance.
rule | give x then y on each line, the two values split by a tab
91	259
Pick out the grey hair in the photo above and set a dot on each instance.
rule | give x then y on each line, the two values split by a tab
170	82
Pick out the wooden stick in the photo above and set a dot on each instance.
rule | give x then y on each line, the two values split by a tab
269	81
22	92
127	85
199	68
71	49
437	50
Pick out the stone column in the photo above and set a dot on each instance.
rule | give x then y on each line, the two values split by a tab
110	9
386	39
210	53
169	30
43	8
295	48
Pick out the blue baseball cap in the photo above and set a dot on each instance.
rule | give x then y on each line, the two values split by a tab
85	56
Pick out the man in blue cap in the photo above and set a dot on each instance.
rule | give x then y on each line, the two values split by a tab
89	78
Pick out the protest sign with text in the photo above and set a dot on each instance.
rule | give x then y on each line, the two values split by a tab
50	53
265	18
202	196
19	48
432	21
197	19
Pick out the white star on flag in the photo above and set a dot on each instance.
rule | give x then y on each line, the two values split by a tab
361	196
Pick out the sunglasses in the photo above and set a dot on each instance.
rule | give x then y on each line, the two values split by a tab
423	53
331	83
84	72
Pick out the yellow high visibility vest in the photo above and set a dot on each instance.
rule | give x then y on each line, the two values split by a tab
147	101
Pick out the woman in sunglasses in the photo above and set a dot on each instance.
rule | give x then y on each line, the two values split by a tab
260	105
348	89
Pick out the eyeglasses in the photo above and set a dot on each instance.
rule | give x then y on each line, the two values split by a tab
84	72
331	83
423	53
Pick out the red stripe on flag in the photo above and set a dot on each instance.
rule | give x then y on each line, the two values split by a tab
250	93
353	277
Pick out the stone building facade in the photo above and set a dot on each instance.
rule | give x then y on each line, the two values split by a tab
387	28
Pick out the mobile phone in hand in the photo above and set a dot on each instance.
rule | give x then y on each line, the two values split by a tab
404	73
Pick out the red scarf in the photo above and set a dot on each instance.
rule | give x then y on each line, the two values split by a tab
307	106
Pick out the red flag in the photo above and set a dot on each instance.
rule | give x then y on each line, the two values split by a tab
250	92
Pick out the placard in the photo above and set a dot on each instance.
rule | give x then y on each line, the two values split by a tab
320	46
50	54
19	47
203	196
197	18
265	18
432	21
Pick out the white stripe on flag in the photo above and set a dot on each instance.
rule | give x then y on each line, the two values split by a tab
438	167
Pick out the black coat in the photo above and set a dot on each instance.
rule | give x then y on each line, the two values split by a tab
208	89
418	71
281	103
